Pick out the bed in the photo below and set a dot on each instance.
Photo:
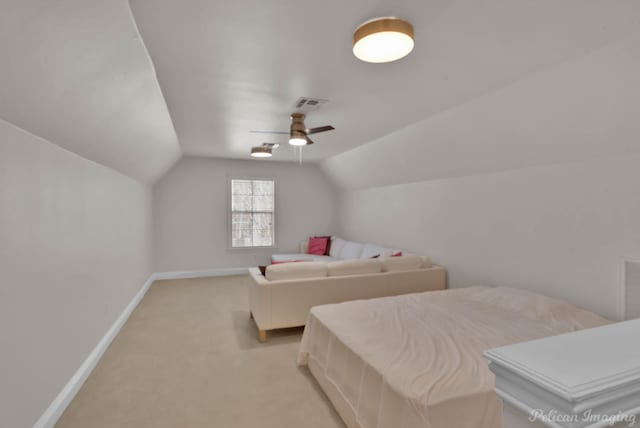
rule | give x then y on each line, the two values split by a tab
415	361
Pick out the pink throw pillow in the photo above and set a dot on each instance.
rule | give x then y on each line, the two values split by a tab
318	246
398	254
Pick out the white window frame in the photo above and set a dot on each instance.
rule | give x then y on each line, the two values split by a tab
230	246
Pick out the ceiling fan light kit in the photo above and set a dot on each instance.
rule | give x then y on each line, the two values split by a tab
298	133
383	40
298	141
261	152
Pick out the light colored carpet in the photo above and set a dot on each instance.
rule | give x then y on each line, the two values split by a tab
189	357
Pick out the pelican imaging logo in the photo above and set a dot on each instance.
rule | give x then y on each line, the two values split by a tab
588	416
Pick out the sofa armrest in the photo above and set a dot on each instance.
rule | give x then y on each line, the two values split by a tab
260	299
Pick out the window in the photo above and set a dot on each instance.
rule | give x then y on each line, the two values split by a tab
252	213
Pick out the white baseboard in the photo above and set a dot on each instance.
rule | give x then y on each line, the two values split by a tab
60	403
200	273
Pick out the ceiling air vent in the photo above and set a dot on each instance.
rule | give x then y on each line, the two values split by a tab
306	104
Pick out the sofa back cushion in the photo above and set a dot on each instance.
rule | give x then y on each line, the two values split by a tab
296	271
372	250
351	250
407	262
336	246
354	267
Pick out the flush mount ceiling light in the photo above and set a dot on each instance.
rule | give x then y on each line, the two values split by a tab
383	40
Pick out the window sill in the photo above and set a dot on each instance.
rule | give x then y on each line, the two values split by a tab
251	250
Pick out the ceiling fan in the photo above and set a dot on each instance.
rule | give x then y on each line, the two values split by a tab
298	132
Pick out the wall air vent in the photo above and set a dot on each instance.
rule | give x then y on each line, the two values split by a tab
632	289
307	104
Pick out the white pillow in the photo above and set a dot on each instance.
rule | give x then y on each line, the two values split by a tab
336	247
295	270
371	250
354	267
409	262
351	250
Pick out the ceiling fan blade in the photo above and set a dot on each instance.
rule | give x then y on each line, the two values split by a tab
309	141
270	132
320	129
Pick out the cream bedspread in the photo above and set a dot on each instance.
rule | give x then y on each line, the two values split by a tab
415	361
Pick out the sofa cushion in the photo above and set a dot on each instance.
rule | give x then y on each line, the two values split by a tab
426	262
371	250
325	259
300	257
408	262
296	271
351	250
354	267
279	258
336	246
318	246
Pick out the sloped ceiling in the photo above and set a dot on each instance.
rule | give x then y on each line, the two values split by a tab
77	73
583	109
228	67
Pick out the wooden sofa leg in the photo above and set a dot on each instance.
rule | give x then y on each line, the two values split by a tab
250	315
262	335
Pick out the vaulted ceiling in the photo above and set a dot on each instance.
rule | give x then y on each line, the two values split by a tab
228	67
77	73
133	84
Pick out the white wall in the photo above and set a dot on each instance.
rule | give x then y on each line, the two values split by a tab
75	244
190	206
561	230
534	185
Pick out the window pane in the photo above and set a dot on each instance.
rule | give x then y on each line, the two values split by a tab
241	232
241	202
262	238
262	221
262	187
241	187
263	229
263	203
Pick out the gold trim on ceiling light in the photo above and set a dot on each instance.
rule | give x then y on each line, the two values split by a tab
383	40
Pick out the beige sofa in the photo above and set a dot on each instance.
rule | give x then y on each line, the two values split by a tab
285	294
